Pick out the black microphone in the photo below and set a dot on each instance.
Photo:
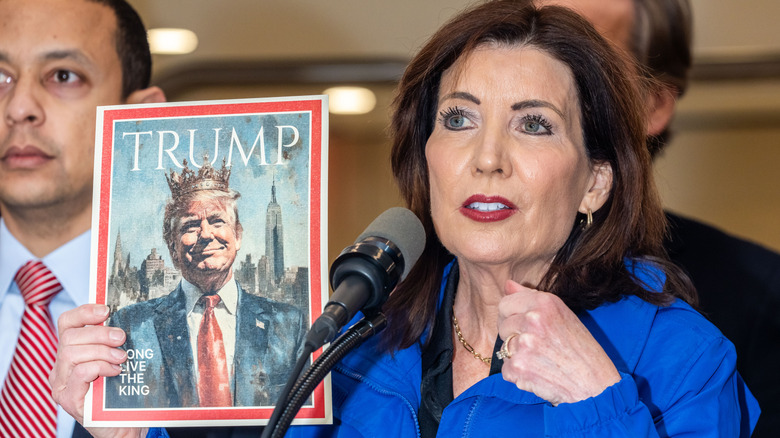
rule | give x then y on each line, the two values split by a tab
365	273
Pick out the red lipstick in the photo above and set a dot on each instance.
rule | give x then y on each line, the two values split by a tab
482	208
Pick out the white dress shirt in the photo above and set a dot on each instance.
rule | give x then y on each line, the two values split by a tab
70	264
225	312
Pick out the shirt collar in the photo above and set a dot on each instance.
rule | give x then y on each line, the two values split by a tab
69	263
12	256
228	295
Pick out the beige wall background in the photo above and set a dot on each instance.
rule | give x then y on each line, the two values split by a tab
723	165
720	168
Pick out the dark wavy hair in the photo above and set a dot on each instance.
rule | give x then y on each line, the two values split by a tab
590	268
132	46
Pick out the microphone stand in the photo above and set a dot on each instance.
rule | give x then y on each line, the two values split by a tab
297	391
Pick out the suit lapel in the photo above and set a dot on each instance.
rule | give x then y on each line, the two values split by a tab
170	322
252	327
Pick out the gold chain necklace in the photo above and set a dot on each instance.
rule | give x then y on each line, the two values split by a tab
466	345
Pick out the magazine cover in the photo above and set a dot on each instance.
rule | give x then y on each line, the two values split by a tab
209	246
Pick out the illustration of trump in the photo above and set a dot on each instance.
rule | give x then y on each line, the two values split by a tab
207	343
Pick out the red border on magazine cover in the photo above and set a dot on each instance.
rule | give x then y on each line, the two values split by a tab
315	107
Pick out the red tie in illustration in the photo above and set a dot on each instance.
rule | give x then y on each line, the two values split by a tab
213	381
26	405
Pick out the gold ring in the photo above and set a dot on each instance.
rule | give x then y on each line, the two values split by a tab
503	352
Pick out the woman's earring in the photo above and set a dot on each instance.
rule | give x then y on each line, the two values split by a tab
586	221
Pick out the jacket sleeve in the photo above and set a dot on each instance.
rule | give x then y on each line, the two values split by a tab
706	397
709	397
157	432
616	412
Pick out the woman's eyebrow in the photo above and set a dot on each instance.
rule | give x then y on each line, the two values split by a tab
461	95
536	103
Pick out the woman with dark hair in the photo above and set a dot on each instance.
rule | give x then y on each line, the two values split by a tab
543	304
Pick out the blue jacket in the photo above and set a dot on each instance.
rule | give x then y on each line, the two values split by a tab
678	379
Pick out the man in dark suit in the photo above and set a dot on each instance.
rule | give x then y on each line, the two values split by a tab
188	346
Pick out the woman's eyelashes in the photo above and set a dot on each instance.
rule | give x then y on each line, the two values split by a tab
535	124
456	118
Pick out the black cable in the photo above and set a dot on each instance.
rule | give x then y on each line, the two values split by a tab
303	359
305	384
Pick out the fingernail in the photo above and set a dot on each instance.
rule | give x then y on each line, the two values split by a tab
116	334
100	310
118	354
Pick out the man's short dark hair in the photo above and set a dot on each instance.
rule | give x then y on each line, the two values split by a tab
661	43
132	46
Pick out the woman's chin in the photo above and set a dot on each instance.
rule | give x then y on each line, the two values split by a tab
485	256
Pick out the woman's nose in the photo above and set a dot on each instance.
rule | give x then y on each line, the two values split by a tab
491	153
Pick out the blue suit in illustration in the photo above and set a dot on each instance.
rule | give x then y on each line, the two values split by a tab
269	337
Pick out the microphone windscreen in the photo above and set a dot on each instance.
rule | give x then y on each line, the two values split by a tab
402	227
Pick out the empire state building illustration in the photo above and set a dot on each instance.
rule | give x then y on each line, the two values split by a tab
272	278
274	240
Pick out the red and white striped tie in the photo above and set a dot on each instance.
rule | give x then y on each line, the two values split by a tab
26	405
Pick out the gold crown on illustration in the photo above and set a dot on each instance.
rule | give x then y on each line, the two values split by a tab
207	178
